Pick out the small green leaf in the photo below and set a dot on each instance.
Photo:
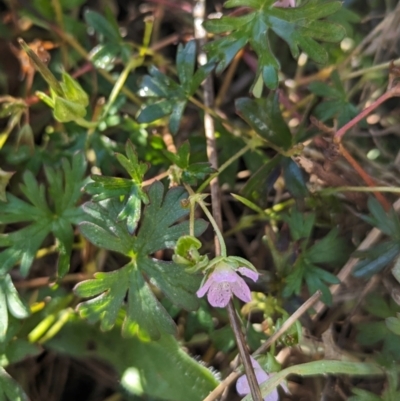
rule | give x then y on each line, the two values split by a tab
73	91
155	111
67	110
103	56
393	324
264	116
185	62
16	307
10	389
102	26
294	178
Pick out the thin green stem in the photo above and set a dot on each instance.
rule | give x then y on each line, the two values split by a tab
359	189
191	220
85	124
224	167
373	68
215	227
119	84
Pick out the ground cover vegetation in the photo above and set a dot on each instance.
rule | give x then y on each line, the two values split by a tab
199	200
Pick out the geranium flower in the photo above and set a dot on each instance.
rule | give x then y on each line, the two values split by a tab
285	3
242	384
223	282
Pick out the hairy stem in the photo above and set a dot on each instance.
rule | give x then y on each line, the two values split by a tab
201	35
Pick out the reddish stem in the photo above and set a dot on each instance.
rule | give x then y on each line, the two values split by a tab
395	91
367	179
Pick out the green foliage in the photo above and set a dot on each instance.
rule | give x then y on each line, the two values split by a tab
173	96
157	232
111	45
9	389
56	216
298	27
264	116
68	101
337	104
102	188
5	177
305	268
377	258
9	301
137	245
154	368
187	172
382	332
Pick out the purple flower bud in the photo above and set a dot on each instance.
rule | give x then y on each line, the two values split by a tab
223	282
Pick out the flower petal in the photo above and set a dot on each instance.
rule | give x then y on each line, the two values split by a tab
241	290
224	274
245	271
204	288
285	3
242	385
219	294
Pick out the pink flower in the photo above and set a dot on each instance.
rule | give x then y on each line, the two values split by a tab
243	388
285	3
224	281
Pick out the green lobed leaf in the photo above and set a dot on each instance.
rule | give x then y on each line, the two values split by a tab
299	27
159	229
56	215
161	368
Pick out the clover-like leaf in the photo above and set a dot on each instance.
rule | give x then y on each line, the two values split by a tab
160	228
55	216
173	97
300	27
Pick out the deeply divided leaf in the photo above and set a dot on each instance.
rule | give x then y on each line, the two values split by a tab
160	228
